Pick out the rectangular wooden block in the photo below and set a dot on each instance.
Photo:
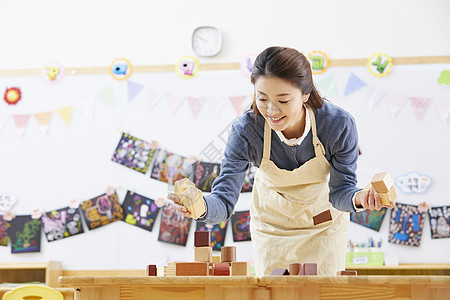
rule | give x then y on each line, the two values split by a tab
151	270
202	239
203	254
308	269
382	182
221	269
240	268
216	259
347	272
192	269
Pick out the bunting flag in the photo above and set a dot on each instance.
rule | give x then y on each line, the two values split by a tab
87	108
420	105
195	103
375	95
353	84
396	102
237	102
215	105
66	114
21	122
442	107
3	119
328	86
133	90
174	102
44	120
107	96
153	97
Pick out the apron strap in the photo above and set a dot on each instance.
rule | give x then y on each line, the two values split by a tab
267	140
318	147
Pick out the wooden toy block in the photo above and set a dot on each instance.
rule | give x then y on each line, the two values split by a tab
228	254
190	197
382	182
192	269
211	268
294	268
203	254
216	259
387	198
240	268
280	272
166	271
151	270
221	269
308	269
202	239
347	272
322	217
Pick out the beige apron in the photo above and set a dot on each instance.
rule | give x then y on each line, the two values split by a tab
284	204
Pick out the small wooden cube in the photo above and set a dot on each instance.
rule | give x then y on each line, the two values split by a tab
308	269
228	254
202	239
203	254
382	182
294	268
151	270
192	269
221	269
216	259
190	197
240	268
280	272
347	272
389	197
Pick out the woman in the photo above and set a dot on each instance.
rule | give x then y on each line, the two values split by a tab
306	150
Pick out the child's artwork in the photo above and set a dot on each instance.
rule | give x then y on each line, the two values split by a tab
204	175
25	234
217	231
369	219
62	223
102	210
139	211
4	238
249	178
171	166
406	225
133	153
240	222
174	228
439	222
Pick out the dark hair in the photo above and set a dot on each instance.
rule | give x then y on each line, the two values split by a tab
288	64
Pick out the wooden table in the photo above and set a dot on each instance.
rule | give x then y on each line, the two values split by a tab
264	288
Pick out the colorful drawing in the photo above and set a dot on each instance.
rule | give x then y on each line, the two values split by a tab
133	153
171	166
205	174
406	225
369	219
240	222
102	210
249	178
25	234
439	222
218	232
62	223
174	228
4	238
139	211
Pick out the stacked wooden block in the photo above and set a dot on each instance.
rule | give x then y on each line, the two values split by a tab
190	197
384	185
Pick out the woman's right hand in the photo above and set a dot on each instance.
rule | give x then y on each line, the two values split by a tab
178	206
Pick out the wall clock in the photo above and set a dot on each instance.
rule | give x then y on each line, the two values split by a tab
206	41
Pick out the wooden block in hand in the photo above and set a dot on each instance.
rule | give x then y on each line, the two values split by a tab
151	270
192	268
203	254
308	269
202	239
294	268
382	182
347	272
389	197
228	254
221	269
190	197
240	268
280	272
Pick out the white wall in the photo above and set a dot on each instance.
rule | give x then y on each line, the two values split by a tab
48	171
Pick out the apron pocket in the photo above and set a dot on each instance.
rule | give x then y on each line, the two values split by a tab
322	217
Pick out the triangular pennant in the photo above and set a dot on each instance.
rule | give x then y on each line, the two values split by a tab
443	108
66	114
3	119
396	102
328	86
237	102
87	108
133	89
353	84
419	105
195	103
153	97
215	104
375	95
44	120
174	102
107	96
21	122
